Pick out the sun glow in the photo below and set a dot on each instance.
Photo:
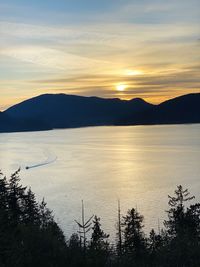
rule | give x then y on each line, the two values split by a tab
121	87
133	72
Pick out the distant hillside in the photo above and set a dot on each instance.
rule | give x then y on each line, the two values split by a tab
7	124
182	109
51	111
63	111
10	124
3	120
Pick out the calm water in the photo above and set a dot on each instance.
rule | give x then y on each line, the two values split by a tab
138	165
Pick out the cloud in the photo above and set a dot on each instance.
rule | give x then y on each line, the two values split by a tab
87	48
165	83
50	58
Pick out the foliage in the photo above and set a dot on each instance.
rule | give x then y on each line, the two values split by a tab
99	246
29	235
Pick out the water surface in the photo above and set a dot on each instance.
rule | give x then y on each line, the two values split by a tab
138	165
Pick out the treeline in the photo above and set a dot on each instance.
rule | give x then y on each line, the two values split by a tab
30	237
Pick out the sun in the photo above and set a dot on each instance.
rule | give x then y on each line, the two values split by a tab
121	87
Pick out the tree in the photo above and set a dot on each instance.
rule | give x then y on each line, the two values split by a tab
45	215
74	242
119	232
29	236
30	208
99	238
155	247
75	252
99	246
3	192
4	229
84	227
134	240
15	198
3	200
180	227
176	214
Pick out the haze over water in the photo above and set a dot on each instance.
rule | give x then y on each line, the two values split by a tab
138	165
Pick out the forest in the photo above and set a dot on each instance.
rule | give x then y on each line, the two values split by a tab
30	236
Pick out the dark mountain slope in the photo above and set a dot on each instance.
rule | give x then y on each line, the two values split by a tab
182	109
7	124
62	111
10	124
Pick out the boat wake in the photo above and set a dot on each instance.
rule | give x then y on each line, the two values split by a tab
50	159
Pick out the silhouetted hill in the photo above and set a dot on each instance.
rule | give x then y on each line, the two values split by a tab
63	111
52	111
7	124
10	124
182	109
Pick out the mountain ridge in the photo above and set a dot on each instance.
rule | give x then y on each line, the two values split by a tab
64	111
53	111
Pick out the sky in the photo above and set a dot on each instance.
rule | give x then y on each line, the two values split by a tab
108	48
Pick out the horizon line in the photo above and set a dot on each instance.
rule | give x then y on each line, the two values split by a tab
93	96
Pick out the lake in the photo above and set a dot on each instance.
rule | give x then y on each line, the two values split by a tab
140	165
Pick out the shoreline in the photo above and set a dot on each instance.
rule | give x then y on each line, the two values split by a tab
94	126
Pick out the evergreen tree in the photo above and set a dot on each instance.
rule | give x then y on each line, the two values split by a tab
76	256
99	246
155	247
99	238
4	229
29	236
180	226
30	208
3	193
176	223
15	199
45	215
74	242
119	232
134	240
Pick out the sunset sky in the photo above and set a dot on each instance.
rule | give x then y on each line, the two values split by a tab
107	48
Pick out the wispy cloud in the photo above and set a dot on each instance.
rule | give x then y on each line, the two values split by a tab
87	49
